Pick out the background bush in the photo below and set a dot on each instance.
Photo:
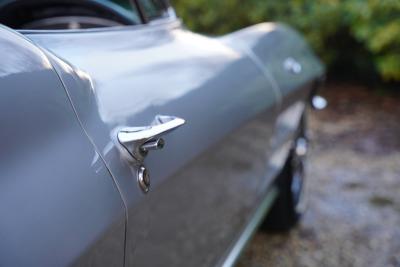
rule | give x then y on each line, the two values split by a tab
355	38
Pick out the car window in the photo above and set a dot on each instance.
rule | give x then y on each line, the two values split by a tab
154	9
71	14
127	6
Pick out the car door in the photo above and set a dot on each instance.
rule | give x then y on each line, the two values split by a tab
213	173
59	205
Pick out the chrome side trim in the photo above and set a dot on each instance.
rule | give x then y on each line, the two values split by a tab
170	23
250	228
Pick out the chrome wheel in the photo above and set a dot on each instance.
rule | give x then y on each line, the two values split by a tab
291	201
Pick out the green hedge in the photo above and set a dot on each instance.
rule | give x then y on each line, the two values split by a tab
361	37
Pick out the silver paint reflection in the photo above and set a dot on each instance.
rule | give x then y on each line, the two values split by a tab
58	206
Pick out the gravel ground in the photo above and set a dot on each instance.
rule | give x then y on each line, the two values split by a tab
353	217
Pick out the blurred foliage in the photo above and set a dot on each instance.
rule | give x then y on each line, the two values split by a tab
361	37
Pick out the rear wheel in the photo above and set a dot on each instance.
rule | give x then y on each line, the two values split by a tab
290	203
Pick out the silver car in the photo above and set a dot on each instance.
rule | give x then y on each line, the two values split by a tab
128	140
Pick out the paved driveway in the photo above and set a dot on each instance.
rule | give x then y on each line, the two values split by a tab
354	188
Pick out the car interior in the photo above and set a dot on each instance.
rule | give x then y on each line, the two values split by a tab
66	14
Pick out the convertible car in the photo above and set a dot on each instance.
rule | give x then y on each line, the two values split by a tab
128	140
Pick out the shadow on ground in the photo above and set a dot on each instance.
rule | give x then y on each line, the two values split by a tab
353	217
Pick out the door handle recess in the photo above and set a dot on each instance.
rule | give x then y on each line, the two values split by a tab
138	141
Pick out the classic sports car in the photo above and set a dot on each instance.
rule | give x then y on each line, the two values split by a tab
127	140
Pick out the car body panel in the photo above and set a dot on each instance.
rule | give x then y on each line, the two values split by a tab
59	205
214	172
190	168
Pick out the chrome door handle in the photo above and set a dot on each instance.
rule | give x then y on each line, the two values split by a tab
292	65
138	141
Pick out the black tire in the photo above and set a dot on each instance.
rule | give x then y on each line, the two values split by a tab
290	203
